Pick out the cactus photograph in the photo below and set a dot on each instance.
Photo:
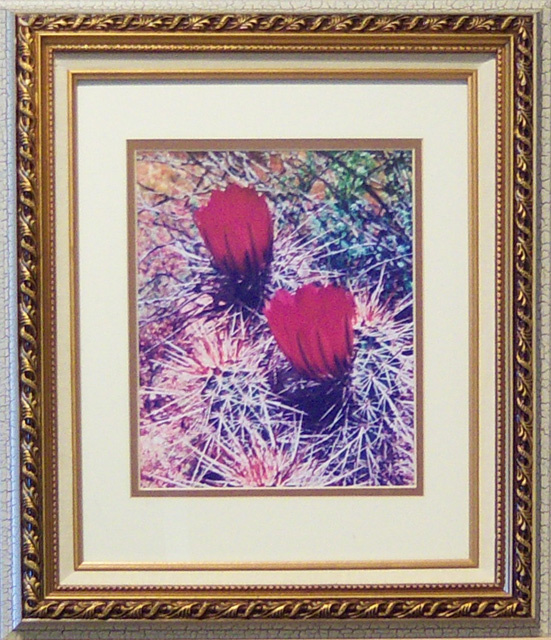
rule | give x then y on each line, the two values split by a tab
275	331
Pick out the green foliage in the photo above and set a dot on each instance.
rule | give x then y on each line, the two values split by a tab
366	213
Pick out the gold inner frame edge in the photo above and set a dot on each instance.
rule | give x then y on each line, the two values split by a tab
467	75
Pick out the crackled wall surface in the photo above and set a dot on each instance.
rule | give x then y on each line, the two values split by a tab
9	612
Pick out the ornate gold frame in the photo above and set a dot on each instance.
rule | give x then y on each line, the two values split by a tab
510	38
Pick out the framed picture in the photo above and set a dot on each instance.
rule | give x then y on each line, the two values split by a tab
257	334
276	315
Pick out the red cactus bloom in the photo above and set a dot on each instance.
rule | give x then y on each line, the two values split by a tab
237	229
313	328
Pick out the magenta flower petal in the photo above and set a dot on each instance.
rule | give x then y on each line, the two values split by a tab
237	229
313	328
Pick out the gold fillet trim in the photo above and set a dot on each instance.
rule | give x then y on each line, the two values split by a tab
472	560
76	443
37	406
266	73
459	563
474	325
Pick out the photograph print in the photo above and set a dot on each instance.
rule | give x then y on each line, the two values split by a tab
275	316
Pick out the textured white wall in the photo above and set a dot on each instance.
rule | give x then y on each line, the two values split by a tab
9	569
